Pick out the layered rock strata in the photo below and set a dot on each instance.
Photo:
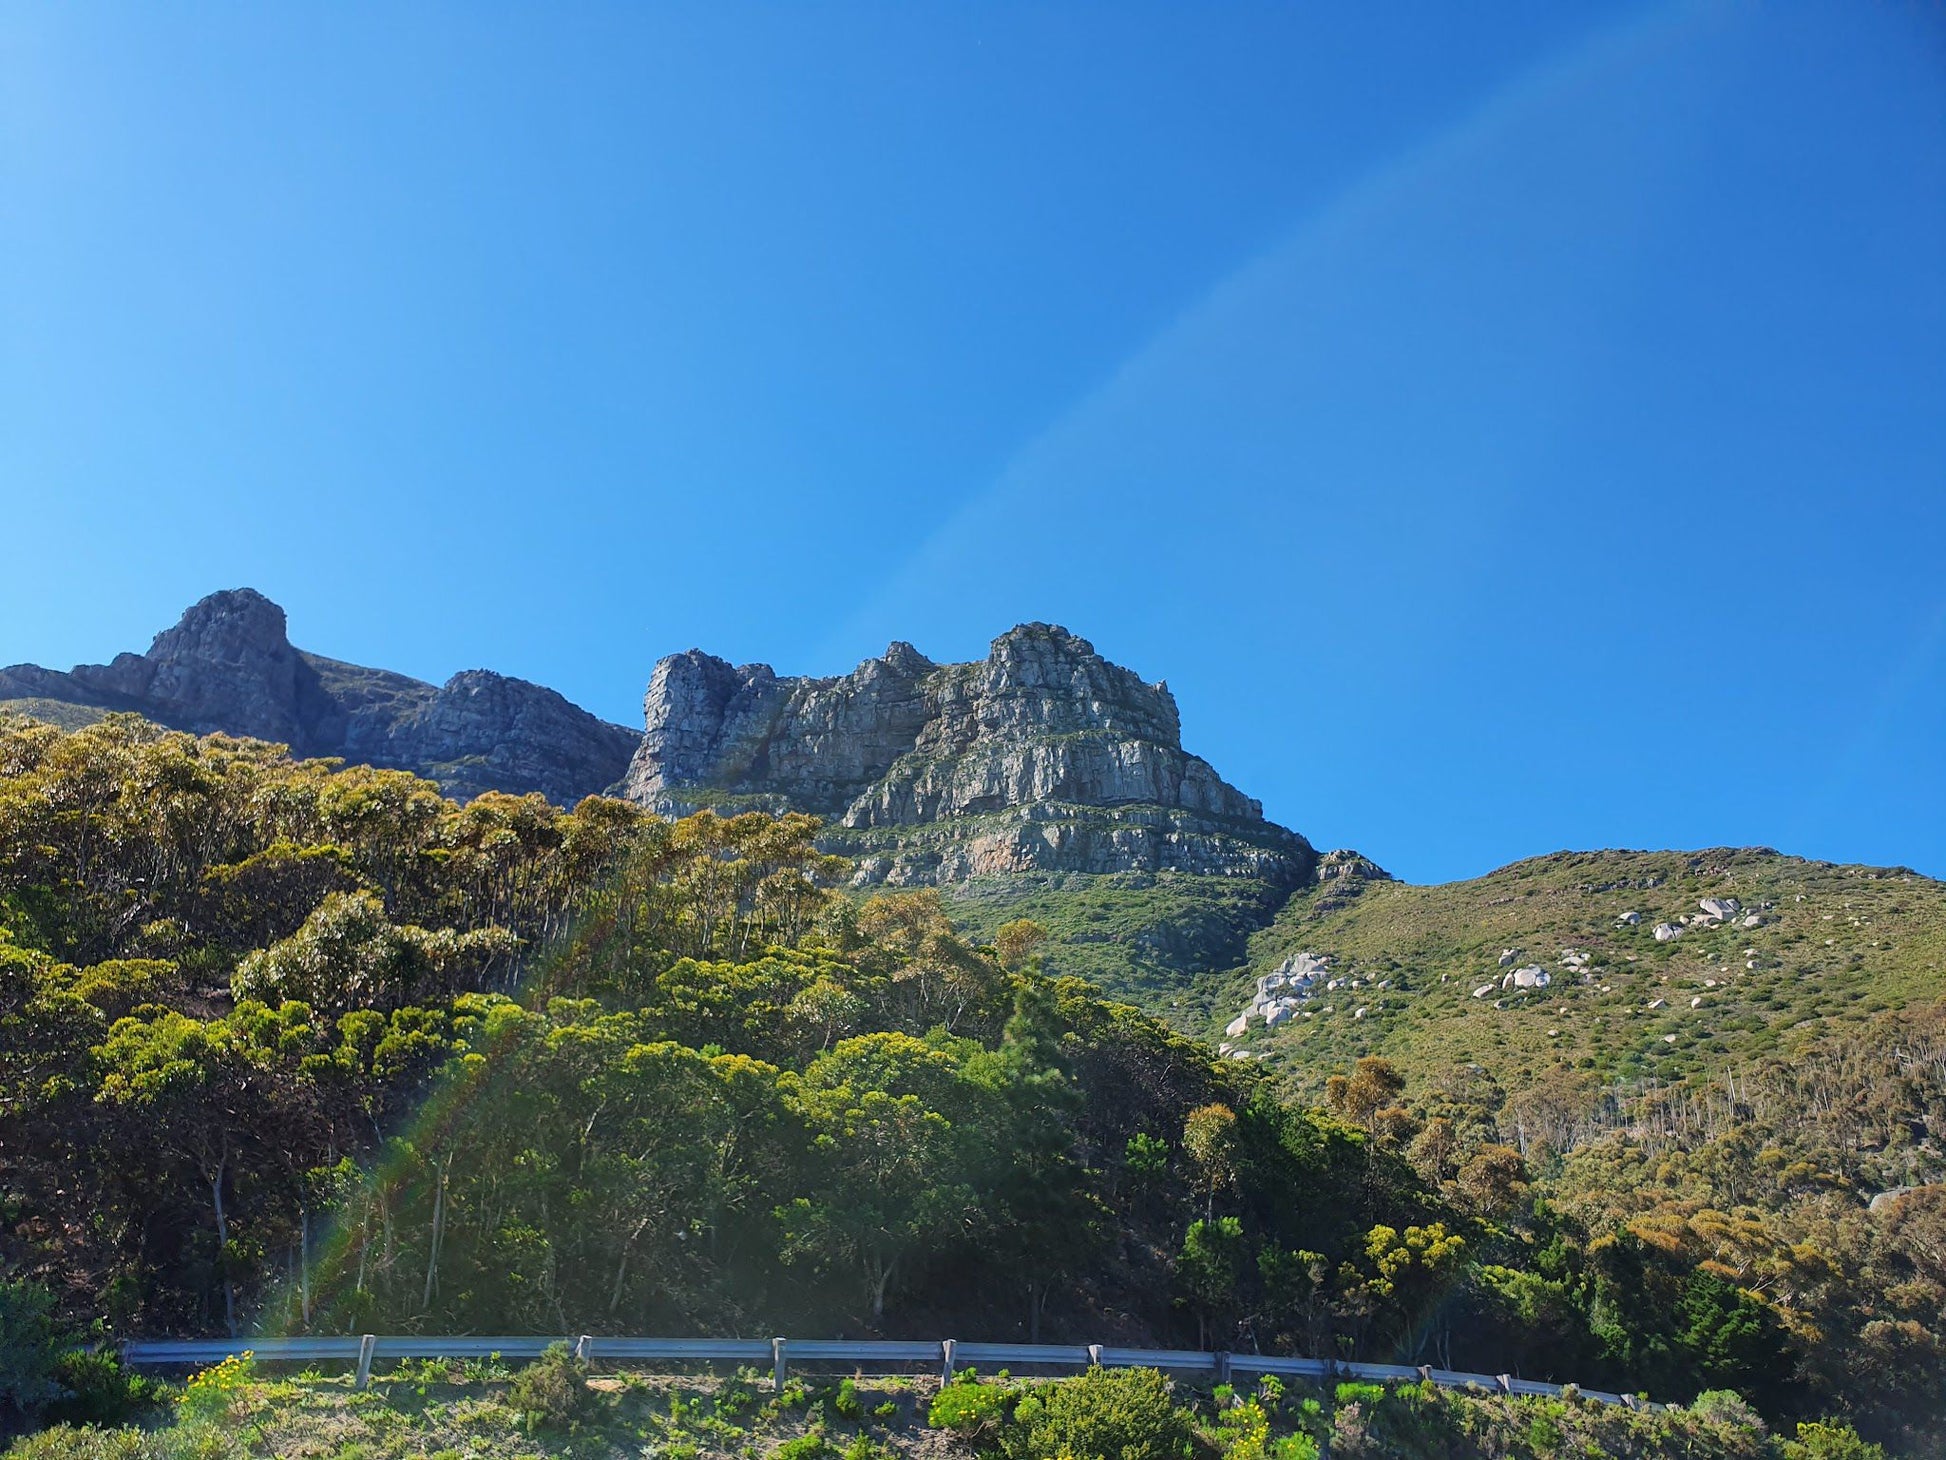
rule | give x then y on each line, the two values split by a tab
1043	757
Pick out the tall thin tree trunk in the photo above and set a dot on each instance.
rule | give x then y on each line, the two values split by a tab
304	1261
223	1240
879	1274
621	1268
438	1232
1037	1296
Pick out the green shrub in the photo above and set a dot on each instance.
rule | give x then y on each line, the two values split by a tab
64	1442
199	1442
739	1396
1544	1435
28	1351
1726	1406
1822	1441
488	1370
1241	1430
846	1404
1359	1392
1103	1414
191	1441
811	1445
210	1398
553	1391
970	1409
96	1389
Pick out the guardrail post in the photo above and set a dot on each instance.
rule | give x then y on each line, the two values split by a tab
1505	1381
1629	1401
581	1346
366	1343
1425	1373
946	1347
1220	1362
1094	1356
777	1363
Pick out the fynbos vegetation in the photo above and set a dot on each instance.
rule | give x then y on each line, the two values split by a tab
294	1047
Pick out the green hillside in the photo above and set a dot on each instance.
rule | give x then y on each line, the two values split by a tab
1832	944
290	1046
1141	936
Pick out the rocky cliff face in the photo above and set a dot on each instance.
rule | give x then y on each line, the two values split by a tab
1043	757
229	666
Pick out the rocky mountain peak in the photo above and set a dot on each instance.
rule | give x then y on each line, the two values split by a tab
902	658
1056	682
238	621
1044	755
226	665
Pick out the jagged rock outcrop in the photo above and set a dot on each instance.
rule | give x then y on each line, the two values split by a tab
229	666
1042	757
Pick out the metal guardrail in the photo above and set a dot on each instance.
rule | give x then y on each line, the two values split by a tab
946	1356
1023	1355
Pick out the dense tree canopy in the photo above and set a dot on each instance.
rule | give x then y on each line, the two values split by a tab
304	1047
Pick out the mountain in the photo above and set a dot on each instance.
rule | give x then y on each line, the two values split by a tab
1627	968
1042	757
1042	781
229	666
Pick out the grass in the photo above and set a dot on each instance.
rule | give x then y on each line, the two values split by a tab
1141	936
1836	943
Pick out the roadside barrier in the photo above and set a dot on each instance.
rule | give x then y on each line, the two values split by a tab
945	1356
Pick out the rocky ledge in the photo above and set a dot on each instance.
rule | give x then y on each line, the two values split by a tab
1041	757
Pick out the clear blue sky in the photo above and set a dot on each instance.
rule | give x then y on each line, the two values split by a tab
1507	427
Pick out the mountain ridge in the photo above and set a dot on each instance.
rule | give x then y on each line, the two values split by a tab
1043	780
228	666
1056	759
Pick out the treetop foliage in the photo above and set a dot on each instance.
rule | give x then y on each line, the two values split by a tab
305	1047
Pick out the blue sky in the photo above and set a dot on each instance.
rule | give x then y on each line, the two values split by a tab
1507	427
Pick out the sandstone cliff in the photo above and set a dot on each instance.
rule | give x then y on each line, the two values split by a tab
1043	757
229	666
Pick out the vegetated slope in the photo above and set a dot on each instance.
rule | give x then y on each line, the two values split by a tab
550	1408
1432	967
1761	1088
593	1069
1141	935
292	1045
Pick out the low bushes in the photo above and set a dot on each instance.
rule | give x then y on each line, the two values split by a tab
551	1409
1105	1414
1136	1414
552	1392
